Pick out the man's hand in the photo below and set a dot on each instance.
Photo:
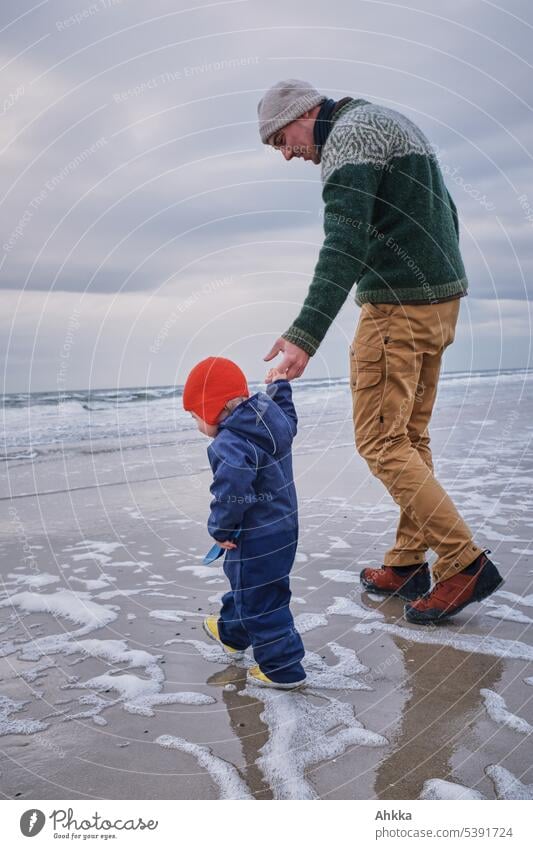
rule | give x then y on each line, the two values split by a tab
226	544
294	360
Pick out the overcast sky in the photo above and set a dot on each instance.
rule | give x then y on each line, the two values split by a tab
144	225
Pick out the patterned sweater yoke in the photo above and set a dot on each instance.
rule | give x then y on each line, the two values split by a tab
371	135
390	224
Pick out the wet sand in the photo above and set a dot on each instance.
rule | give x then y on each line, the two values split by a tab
131	701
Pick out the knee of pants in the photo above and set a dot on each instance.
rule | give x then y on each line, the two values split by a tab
368	445
384	453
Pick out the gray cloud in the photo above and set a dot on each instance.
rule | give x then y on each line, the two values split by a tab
133	168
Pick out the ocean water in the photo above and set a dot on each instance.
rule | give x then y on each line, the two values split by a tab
40	423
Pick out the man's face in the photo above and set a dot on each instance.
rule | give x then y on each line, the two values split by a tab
296	139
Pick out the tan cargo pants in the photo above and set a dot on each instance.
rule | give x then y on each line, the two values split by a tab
395	360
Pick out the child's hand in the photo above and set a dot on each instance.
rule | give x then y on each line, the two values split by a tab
227	544
275	374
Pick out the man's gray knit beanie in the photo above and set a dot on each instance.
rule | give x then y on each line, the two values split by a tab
283	103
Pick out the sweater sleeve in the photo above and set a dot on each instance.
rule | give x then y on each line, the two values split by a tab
349	195
232	487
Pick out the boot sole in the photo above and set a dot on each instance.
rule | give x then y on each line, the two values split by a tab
406	596
273	686
425	617
234	655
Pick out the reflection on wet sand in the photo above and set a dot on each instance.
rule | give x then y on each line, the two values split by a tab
443	702
244	715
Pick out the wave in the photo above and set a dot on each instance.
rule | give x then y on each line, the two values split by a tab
90	399
19	455
37	425
103	399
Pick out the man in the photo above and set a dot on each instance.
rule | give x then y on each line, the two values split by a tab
391	226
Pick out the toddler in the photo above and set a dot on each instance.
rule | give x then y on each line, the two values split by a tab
253	493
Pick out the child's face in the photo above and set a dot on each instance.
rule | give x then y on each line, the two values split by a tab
203	427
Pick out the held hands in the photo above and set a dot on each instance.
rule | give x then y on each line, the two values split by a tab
293	363
275	374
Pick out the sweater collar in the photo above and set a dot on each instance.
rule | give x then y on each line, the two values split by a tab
329	111
324	120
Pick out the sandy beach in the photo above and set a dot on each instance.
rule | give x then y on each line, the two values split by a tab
110	690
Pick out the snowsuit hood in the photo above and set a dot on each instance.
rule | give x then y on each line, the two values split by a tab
263	422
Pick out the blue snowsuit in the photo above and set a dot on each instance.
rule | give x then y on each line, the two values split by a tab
253	490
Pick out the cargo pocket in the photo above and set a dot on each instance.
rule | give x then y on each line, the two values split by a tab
365	379
365	366
366	375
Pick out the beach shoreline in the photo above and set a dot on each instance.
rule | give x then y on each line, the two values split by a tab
109	688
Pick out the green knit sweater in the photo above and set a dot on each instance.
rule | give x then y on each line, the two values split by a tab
390	224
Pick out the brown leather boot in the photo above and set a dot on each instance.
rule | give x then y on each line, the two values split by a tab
476	582
407	582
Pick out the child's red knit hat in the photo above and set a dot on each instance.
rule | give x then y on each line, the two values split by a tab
210	384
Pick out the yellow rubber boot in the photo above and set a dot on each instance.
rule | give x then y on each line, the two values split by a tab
255	676
210	625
